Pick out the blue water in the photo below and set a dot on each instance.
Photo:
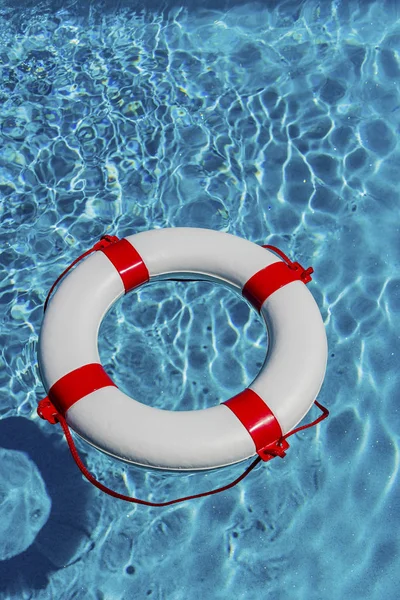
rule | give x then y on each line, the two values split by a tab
278	122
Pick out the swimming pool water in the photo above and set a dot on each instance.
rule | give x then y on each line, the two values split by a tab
278	122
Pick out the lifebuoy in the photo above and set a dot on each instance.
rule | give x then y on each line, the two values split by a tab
251	422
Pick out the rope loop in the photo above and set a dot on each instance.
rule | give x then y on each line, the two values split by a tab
47	411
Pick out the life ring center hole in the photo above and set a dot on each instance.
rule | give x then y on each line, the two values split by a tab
182	345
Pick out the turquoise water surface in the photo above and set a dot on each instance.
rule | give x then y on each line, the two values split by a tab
274	121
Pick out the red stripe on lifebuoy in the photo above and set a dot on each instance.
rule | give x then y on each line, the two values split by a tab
270	279
257	418
128	263
77	384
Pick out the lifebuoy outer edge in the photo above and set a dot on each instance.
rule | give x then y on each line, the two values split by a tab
279	397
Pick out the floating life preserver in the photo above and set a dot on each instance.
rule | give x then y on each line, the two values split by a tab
251	422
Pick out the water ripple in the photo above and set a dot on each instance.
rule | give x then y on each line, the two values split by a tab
280	124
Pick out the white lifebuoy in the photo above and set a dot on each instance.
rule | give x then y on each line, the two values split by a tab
279	397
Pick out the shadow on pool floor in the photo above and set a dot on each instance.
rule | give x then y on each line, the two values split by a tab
66	535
